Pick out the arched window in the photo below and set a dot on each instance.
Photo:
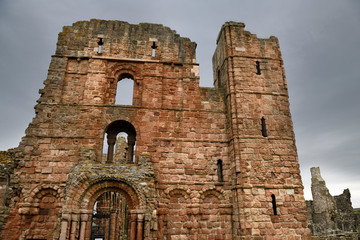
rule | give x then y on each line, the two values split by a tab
119	143
124	90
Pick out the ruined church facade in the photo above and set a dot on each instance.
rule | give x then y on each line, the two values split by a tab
196	163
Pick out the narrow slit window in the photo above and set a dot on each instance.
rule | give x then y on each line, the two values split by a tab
273	200
263	127
153	49
258	72
219	170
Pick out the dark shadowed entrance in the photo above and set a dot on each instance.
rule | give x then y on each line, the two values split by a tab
110	217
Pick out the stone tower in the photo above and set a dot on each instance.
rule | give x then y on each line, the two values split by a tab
263	164
200	163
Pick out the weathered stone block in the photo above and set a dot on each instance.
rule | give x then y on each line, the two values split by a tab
330	217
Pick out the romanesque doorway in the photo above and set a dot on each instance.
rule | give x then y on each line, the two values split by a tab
110	218
107	210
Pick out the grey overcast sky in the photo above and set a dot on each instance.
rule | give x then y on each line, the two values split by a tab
319	40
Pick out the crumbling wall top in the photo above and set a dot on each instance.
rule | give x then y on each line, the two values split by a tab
328	215
244	43
315	174
143	41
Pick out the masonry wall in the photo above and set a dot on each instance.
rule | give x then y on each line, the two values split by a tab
264	165
179	125
175	188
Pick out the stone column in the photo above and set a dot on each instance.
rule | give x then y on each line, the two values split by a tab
132	226
160	226
74	226
111	139
84	219
113	225
63	231
131	144
140	221
88	228
66	219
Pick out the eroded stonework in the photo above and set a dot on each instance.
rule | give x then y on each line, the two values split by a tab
198	163
330	217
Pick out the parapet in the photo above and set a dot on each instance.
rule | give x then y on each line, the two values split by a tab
245	44
120	39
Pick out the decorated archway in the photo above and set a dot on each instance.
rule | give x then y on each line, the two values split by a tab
106	210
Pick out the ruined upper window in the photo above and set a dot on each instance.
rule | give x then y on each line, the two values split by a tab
119	143
124	90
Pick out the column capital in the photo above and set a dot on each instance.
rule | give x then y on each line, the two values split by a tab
140	217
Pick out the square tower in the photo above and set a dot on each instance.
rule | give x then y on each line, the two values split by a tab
267	187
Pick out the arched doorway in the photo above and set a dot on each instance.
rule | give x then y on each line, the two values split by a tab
110	218
115	212
106	210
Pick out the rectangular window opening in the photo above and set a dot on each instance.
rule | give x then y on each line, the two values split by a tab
219	170
273	201
153	49
258	72
263	127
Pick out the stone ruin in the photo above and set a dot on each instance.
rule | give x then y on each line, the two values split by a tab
331	217
199	163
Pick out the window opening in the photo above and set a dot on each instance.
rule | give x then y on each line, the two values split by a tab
263	127
153	49
124	92
258	72
110	217
119	143
100	43
121	148
274	204
105	149
219	170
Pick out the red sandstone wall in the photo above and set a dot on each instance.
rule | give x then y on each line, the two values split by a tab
264	165
181	128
